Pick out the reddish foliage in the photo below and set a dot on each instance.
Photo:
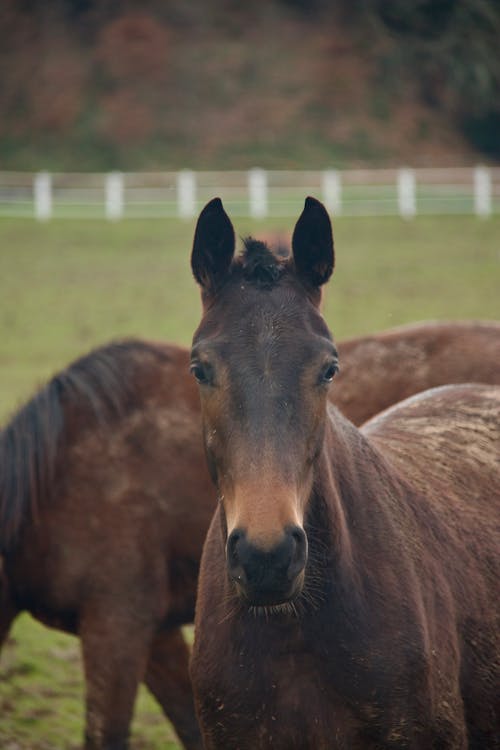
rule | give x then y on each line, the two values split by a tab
126	118
132	48
133	53
57	90
44	74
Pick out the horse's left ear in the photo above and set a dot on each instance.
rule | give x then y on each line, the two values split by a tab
312	244
213	246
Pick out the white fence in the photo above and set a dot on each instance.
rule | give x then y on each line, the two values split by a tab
256	193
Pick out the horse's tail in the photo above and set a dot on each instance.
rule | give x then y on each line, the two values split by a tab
28	451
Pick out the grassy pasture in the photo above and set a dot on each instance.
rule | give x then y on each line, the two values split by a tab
67	286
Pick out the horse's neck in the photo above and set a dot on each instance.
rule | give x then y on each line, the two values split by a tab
351	471
356	491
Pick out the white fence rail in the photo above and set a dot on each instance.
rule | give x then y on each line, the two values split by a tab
257	193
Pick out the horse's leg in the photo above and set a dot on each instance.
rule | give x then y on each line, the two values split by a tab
115	649
167	677
8	610
8	614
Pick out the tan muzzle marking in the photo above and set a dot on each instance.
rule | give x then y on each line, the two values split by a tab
263	510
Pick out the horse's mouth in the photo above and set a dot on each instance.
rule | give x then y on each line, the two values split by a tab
256	596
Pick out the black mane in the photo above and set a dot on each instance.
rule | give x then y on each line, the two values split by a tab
100	385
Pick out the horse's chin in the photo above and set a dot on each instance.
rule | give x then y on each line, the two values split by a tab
272	599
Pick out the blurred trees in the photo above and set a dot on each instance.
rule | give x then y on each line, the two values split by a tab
451	48
116	70
131	52
43	72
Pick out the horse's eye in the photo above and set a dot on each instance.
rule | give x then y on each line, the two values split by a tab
202	372
329	371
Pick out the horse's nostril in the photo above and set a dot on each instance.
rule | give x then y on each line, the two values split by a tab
299	553
298	535
232	545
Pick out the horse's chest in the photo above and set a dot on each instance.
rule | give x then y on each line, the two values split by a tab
280	704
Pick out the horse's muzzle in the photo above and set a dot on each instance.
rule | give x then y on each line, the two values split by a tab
267	576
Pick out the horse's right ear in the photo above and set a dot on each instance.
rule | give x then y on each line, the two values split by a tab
213	246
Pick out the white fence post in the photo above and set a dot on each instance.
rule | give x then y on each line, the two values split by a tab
42	194
332	191
407	202
186	194
257	193
267	193
114	196
482	192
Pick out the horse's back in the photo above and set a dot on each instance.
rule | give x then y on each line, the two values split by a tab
446	437
467	350
445	445
379	370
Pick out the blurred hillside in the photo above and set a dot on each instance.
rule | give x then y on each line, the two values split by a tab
165	84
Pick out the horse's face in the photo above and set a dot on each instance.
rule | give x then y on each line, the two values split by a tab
264	358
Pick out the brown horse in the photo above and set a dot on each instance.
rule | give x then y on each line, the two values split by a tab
118	430
348	591
379	370
98	532
120	427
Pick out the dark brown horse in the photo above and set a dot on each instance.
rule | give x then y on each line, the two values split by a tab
99	534
348	593
116	435
120	426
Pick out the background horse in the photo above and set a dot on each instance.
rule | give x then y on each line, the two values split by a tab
379	370
118	431
98	532
348	592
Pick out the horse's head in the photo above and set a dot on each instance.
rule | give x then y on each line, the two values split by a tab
263	358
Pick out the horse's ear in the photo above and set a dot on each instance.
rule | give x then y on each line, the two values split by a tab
213	246
312	244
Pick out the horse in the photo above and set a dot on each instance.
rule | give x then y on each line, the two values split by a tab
117	434
378	370
98	533
348	587
126	407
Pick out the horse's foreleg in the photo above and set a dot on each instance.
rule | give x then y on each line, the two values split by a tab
8	611
167	677
115	652
7	616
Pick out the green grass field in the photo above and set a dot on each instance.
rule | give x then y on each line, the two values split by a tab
67	286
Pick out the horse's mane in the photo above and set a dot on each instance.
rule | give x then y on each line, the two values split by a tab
259	264
100	385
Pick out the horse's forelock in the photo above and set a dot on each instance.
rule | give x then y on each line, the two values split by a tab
259	263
